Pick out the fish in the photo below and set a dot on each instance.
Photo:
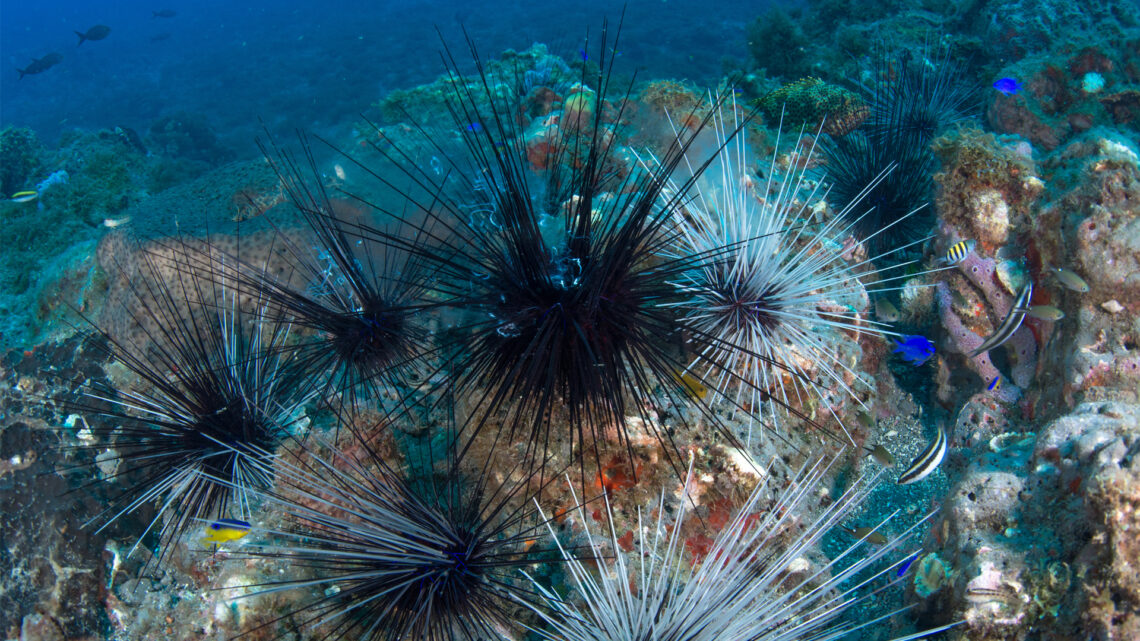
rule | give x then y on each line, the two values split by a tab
692	385
1010	324
1008	86
959	300
583	55
881	455
40	65
886	311
868	533
1045	312
225	530
916	349
24	196
926	461
1070	279
164	13
906	564
132	138
994	384
98	32
958	252
475	127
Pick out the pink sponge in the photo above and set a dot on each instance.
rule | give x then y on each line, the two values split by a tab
982	273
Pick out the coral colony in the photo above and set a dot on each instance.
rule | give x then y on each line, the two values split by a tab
844	347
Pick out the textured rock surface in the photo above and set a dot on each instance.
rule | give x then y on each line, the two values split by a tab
1040	529
52	572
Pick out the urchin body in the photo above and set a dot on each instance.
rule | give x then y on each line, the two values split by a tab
780	301
211	389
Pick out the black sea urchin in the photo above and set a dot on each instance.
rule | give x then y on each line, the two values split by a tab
357	302
891	212
912	101
918	99
554	254
385	558
211	389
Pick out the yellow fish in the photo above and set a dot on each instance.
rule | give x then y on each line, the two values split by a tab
958	252
693	385
225	530
24	196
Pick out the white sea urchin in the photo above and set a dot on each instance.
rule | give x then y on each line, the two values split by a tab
752	586
777	296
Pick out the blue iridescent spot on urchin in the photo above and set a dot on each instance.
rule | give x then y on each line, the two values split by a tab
916	349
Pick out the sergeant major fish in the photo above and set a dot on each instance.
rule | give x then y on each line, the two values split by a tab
958	252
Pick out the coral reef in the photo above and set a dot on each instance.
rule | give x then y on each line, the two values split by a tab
1098	207
1037	527
786	59
1033	513
811	103
985	190
986	193
20	159
189	136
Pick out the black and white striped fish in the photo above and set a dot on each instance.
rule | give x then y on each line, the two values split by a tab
958	252
926	461
1011	323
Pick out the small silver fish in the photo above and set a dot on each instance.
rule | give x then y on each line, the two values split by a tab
885	311
867	533
1070	279
926	461
959	300
1045	312
881	455
958	252
1011	323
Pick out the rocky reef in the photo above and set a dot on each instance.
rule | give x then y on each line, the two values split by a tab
1032	519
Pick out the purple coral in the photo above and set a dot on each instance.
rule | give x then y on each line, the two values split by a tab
981	272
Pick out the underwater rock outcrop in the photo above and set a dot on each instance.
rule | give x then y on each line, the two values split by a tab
1038	529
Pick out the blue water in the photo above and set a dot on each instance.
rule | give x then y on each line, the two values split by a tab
304	64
